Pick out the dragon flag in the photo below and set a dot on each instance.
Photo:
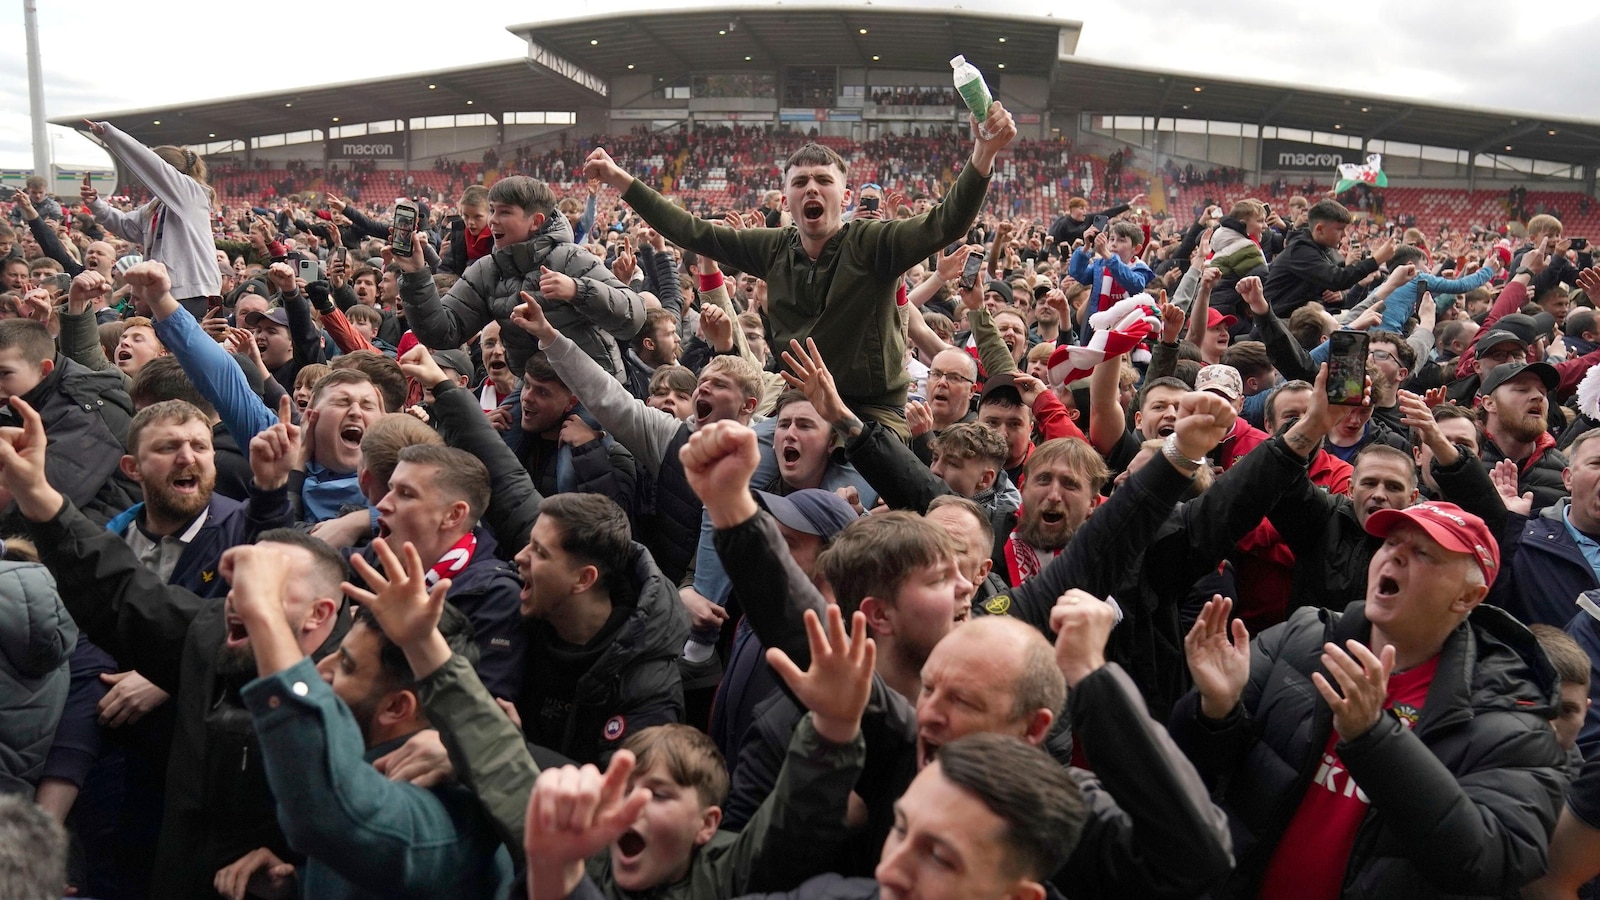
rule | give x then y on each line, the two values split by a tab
1370	174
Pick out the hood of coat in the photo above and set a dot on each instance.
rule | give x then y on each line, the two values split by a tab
36	633
657	627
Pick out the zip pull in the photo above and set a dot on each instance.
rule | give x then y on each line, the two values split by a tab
244	758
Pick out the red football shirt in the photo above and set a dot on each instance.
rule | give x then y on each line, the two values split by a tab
1311	858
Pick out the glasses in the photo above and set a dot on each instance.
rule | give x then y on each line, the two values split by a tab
1504	355
936	375
1382	355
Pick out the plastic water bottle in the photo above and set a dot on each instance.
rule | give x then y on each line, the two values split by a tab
972	88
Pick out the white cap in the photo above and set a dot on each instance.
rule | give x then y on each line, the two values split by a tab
958	62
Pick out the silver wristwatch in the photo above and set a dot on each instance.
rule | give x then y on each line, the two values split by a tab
1182	463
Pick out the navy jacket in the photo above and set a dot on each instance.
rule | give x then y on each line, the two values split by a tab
1541	569
228	524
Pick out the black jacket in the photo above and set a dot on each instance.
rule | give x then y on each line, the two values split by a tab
1539	474
634	684
602	466
513	499
86	416
1145	801
1462	806
218	805
1331	548
1305	269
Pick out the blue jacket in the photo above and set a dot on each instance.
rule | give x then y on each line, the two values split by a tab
1400	304
364	835
1585	629
1085	268
228	523
1541	569
217	377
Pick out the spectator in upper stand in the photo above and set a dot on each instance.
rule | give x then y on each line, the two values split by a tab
1072	226
534	255
1515	402
656	345
469	239
851	311
1309	264
1110	269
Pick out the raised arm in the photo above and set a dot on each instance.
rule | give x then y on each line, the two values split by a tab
646	432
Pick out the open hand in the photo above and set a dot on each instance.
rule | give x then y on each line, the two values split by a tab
836	686
1363	682
1220	667
400	599
811	377
1506	478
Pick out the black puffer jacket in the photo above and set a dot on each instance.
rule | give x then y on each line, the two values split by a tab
1305	269
1462	806
86	416
1540	473
633	684
605	311
36	637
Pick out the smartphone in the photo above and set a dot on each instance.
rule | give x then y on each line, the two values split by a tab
1099	224
1347	367
308	270
405	228
342	254
969	272
1580	243
870	203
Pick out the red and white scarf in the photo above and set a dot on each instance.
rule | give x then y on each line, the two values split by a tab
454	560
1023	560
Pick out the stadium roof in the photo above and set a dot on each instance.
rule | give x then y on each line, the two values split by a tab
762	37
511	85
572	61
1081	85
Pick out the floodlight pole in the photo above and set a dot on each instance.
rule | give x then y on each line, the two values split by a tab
41	140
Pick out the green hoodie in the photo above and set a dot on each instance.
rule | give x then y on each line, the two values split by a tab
844	299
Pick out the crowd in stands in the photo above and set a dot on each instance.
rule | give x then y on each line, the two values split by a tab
875	535
916	96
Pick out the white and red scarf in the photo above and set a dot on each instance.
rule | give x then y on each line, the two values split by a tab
454	560
1023	560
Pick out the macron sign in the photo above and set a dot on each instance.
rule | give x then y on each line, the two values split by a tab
370	147
1294	156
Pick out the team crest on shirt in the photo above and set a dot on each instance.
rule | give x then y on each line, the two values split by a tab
1408	715
615	727
998	605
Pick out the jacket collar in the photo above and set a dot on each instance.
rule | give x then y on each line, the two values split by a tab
527	256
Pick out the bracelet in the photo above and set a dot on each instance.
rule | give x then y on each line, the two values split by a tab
1179	461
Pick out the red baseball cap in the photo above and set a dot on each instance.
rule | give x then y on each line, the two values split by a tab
1214	319
1453	527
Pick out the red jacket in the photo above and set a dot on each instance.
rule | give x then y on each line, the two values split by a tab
1264	569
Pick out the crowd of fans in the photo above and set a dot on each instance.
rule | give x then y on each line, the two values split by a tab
872	538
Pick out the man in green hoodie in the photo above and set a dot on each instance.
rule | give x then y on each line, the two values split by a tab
828	279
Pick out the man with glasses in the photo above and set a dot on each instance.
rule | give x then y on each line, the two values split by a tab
952	380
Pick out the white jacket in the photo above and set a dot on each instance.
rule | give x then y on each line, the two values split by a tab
175	228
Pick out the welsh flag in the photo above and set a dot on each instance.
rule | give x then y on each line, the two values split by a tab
1370	174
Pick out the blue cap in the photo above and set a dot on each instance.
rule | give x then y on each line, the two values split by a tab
810	511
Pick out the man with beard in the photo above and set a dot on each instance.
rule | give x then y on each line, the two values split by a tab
218	807
182	528
558	447
657	345
990	676
1515	404
363	835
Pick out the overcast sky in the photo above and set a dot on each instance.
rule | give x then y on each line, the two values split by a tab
101	55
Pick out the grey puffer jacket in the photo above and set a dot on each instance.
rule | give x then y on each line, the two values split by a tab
604	312
36	638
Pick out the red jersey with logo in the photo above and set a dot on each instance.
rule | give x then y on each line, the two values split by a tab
1310	861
